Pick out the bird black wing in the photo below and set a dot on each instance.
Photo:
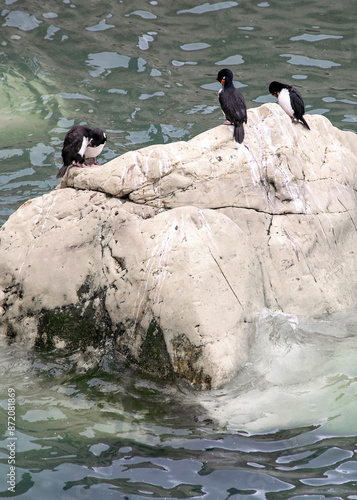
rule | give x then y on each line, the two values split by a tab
76	134
73	142
297	103
233	105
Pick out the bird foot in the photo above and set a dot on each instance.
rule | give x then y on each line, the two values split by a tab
92	163
227	123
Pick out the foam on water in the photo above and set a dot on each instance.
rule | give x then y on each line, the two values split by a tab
300	372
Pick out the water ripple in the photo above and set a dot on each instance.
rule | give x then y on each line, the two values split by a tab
195	46
21	20
144	14
208	7
231	60
314	38
309	61
101	26
103	61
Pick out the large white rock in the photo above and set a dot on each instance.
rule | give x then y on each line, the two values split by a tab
170	252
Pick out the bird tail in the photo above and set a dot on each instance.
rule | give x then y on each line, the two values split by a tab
304	122
238	132
61	171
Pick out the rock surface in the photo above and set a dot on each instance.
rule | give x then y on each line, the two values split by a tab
171	251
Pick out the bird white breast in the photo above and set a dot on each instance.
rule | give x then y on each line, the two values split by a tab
94	152
85	143
284	101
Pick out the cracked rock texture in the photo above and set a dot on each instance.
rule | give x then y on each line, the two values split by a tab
170	252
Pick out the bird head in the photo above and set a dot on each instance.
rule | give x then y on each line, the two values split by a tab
98	137
225	76
275	88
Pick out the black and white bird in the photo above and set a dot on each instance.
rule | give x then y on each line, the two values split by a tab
76	144
232	103
290	100
95	147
